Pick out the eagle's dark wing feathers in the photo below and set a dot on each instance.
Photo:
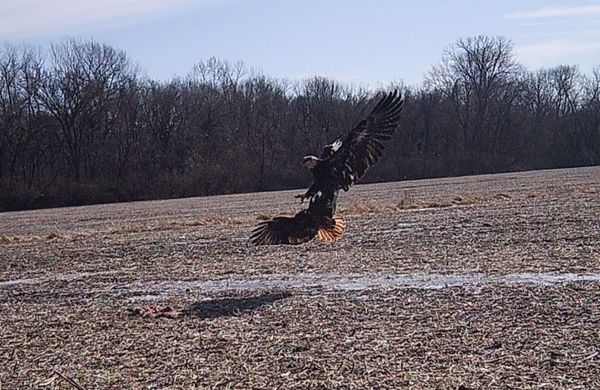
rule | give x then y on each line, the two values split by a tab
363	146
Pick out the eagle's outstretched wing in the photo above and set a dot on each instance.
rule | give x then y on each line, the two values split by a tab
350	157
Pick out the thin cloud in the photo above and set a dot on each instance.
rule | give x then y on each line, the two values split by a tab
31	18
544	53
557	12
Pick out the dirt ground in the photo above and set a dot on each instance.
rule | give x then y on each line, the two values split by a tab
488	281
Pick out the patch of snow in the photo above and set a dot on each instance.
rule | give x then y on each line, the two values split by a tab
356	282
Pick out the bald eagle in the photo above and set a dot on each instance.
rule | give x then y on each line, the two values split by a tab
340	165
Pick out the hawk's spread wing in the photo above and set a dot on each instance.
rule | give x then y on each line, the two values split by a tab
284	230
299	229
363	146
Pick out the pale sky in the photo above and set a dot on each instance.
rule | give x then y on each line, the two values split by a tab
372	42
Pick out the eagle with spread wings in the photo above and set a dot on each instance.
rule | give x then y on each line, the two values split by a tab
340	165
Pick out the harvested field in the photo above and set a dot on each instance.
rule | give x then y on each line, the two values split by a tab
488	281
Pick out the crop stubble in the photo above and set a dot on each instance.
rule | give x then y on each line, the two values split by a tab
70	277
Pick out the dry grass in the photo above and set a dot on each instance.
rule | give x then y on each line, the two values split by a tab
8	239
407	202
172	225
77	316
54	235
122	228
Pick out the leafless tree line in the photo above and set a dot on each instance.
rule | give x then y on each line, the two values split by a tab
79	124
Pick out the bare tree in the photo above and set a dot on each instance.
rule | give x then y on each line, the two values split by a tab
476	76
79	124
21	120
589	112
83	82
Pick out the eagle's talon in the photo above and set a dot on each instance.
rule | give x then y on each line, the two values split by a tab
301	197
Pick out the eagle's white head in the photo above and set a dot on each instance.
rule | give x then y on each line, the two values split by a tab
310	162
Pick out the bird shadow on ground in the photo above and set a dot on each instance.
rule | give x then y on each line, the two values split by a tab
227	307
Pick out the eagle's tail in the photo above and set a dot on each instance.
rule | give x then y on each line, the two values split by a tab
334	232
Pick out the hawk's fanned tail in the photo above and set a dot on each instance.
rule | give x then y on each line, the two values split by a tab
334	232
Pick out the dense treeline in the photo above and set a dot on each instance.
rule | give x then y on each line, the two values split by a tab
79	124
